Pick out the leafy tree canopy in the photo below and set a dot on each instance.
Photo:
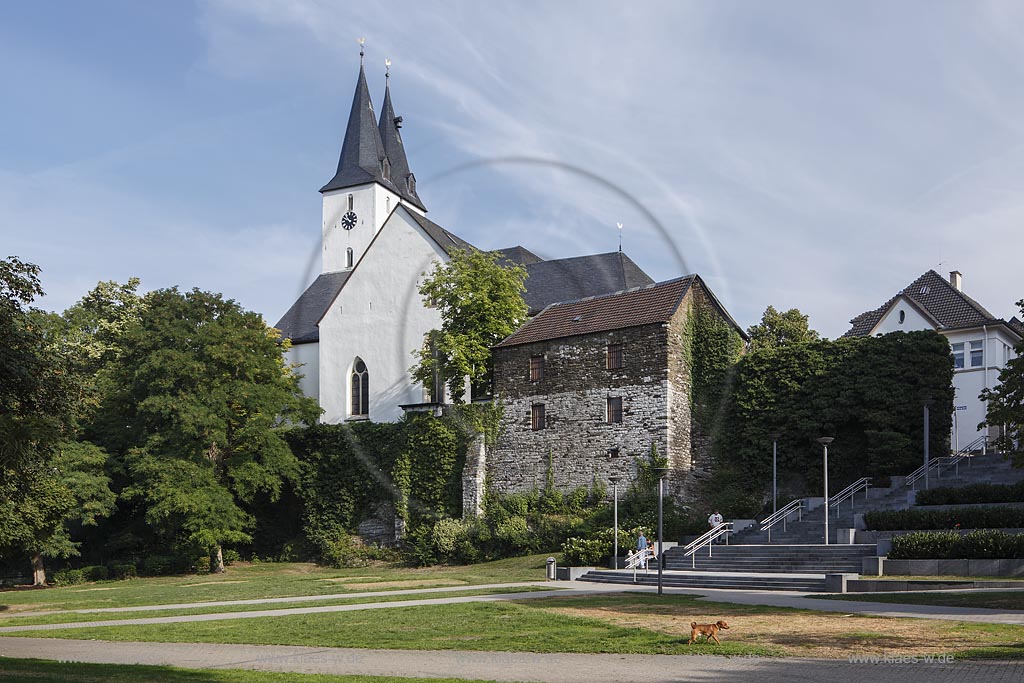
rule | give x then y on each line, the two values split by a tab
1006	403
480	302
779	329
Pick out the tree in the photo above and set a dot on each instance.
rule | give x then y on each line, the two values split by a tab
1006	403
481	303
198	393
780	329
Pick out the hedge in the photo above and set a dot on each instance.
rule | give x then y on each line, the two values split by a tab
949	545
975	493
953	518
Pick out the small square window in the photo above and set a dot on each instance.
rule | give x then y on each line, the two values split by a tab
536	368
958	355
615	410
537	420
613	452
977	354
614	357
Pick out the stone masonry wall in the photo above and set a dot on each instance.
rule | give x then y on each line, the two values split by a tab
574	391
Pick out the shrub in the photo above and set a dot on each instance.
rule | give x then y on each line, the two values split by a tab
162	565
953	518
581	552
231	556
975	493
95	573
202	565
942	545
68	577
123	572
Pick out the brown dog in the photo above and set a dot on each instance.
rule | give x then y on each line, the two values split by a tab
709	631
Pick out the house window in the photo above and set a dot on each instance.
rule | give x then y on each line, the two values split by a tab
349	257
903	316
615	410
360	388
977	354
350	202
614	356
613	452
536	368
958	355
537	420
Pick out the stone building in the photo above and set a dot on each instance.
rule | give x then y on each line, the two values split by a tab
587	386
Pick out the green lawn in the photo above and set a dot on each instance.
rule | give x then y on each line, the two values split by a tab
989	598
73	617
268	580
39	671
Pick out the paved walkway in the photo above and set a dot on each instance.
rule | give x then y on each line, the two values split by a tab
511	666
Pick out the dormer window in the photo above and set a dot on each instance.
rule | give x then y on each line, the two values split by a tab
411	182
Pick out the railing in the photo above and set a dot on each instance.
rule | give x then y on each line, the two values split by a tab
639	559
953	460
708	540
782	515
862	484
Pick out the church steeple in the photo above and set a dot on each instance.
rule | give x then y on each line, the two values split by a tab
363	159
401	177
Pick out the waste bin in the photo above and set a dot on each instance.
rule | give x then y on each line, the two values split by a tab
552	569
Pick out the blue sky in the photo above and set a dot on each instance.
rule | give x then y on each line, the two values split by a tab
800	154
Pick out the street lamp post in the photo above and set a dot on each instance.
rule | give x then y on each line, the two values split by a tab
614	479
825	441
660	472
775	478
927	433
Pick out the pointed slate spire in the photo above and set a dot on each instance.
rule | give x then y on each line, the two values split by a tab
401	177
362	152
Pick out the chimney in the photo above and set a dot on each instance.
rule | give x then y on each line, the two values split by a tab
957	280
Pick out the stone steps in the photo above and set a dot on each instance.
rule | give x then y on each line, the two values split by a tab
785	559
732	581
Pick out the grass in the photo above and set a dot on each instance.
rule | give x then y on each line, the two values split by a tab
989	598
268	580
74	617
39	671
614	623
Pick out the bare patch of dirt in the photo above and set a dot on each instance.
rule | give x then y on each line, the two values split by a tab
804	635
345	579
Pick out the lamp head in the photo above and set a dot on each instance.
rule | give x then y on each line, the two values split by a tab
660	472
826	440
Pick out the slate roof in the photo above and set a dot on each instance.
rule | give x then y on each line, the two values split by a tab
446	240
948	307
299	323
518	255
362	151
579	277
655	303
401	177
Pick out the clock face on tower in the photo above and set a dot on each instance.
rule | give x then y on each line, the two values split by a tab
348	221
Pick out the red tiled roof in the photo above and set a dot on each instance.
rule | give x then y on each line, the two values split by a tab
630	308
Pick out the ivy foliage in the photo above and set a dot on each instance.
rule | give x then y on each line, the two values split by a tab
480	301
867	392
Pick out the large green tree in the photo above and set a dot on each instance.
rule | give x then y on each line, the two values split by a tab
481	303
1006	403
779	328
197	396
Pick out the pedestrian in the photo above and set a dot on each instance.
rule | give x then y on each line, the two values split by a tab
641	547
714	521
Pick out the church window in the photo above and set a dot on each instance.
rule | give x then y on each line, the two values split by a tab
360	388
387	205
958	355
614	356
537	420
350	202
536	368
615	410
349	257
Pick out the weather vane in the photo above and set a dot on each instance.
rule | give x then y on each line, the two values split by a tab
387	68
620	236
362	42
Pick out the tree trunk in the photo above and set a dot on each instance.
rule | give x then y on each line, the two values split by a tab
217	560
38	570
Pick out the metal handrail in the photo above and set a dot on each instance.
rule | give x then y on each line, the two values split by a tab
707	539
864	483
782	513
933	464
966	452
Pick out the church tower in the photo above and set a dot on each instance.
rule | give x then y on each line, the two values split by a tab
373	178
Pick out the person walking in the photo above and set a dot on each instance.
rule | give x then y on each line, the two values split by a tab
641	547
714	521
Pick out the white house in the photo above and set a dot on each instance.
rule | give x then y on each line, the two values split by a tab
980	343
355	327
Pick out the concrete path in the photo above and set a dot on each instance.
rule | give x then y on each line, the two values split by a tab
512	666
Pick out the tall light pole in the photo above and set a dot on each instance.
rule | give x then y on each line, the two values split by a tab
614	479
927	432
825	441
775	477
660	472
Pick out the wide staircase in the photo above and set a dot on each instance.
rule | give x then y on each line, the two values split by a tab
795	557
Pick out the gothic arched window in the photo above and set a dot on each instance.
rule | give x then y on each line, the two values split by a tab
360	388
348	257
